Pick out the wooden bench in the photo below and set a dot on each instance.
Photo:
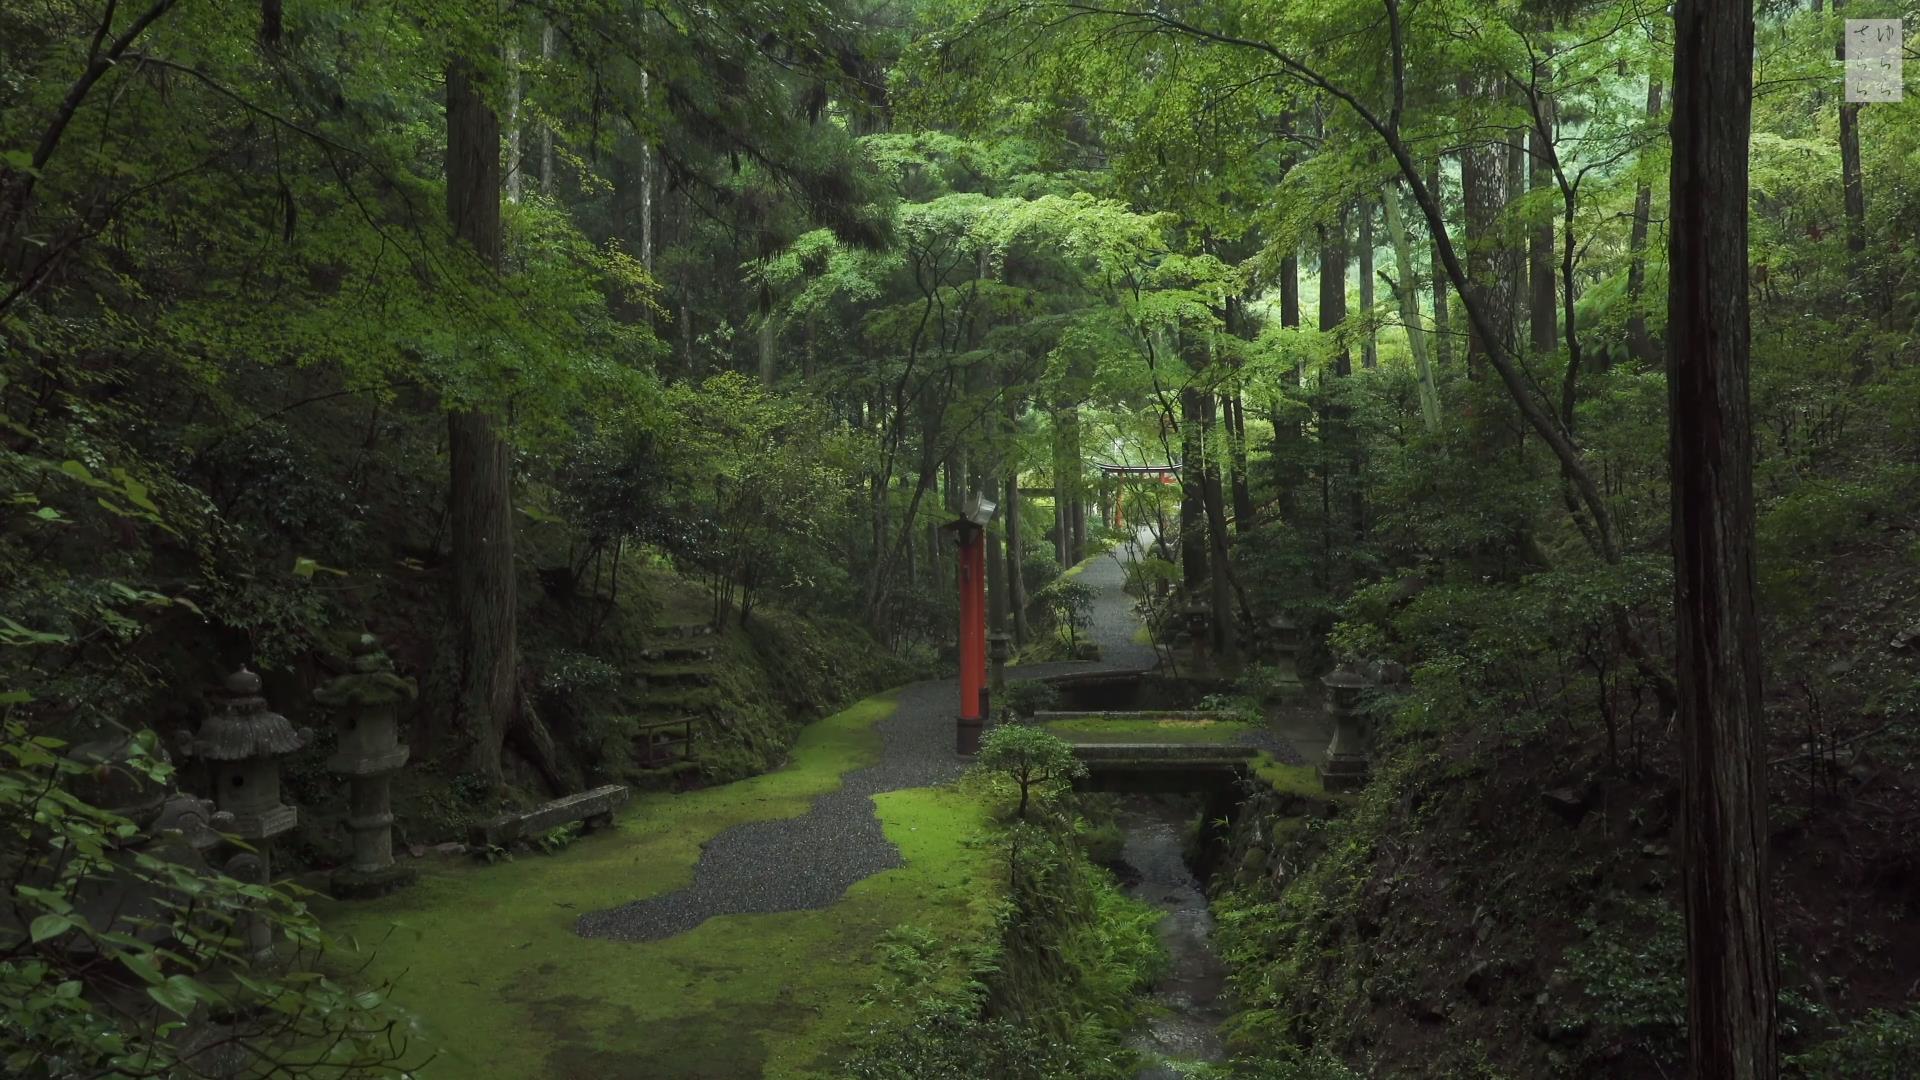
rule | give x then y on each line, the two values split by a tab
594	807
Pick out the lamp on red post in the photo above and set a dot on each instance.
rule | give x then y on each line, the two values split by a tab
970	529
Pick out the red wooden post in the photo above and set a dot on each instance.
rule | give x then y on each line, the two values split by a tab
973	638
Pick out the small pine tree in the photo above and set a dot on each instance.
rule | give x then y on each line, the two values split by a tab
1034	759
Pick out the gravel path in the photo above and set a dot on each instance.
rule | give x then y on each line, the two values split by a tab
1112	622
808	862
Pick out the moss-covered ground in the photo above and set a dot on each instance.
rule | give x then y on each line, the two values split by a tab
487	958
1084	729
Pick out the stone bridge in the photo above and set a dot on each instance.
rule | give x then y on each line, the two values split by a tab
1165	768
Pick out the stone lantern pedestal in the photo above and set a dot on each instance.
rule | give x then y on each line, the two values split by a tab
1200	632
366	704
1286	648
242	744
127	898
1346	767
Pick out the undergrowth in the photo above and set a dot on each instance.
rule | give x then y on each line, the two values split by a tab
1051	997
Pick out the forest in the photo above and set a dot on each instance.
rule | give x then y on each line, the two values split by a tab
909	539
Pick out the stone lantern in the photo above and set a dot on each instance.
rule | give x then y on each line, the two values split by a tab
172	826
1346	766
1286	647
366	704
242	744
1200	630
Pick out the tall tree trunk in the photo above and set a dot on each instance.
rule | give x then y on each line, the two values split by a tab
1731	978
1639	342
1369	345
1410	306
1851	184
546	130
1074	524
1480	190
1338	437
1017	584
1542	318
1240	326
1226	631
1079	526
1513	271
996	563
1062	488
1193	520
1333	282
1442	332
1242	492
479	500
514	172
1288	431
1290	290
1287	427
768	338
646	193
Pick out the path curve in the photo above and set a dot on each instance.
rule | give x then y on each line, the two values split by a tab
809	862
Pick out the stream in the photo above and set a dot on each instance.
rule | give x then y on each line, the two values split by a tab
1189	995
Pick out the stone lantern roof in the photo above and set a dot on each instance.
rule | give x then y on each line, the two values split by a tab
242	727
371	682
1345	677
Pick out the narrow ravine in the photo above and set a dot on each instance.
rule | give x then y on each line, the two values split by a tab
1189	997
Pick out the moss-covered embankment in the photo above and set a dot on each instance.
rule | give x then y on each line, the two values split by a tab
1464	916
994	942
602	673
487	958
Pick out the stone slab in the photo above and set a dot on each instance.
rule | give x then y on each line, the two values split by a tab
593	807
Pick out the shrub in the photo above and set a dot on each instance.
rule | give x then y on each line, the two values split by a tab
1034	761
1880	1046
1029	696
1070	604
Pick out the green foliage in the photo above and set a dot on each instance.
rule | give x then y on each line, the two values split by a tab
94	984
1267	682
569	672
1882	1045
1025	697
1632	971
1036	762
557	838
1069	604
1050	999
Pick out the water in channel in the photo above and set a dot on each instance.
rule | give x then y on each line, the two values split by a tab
1190	996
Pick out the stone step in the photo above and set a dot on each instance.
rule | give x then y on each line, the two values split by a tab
676	680
668	704
683	631
678	654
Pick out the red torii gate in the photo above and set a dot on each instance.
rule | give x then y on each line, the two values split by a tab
970	530
1168	474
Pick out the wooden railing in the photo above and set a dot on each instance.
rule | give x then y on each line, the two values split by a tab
654	743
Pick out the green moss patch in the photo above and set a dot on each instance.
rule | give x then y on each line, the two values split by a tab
488	960
1301	781
1088	729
